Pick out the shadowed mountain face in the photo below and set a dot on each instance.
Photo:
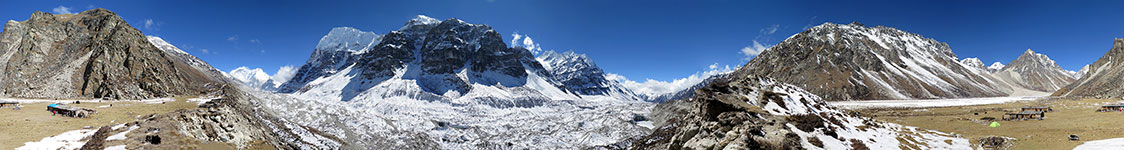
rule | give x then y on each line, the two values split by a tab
1104	78
91	54
855	62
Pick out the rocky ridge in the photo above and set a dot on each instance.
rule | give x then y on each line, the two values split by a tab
92	54
1105	77
749	112
855	62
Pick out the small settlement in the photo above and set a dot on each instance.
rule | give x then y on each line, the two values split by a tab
6	104
1028	113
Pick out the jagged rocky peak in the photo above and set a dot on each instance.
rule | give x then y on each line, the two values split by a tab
94	53
1035	71
1105	77
442	56
852	62
578	74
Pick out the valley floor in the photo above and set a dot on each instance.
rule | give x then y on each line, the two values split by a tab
32	123
1070	116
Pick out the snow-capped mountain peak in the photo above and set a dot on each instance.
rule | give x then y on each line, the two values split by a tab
974	63
422	20
996	66
255	78
347	39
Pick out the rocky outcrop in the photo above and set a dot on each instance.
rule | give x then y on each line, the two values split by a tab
1035	71
1105	77
90	54
749	112
853	62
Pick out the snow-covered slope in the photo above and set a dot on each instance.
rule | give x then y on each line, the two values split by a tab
254	78
749	112
191	60
1036	72
855	62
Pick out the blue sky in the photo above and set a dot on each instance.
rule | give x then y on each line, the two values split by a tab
661	40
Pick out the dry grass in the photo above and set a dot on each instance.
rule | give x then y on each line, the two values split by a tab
1069	117
33	122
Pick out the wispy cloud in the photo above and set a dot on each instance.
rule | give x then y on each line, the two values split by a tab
255	41
770	30
232	38
62	10
152	24
753	50
205	51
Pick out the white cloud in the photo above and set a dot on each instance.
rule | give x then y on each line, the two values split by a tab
284	74
232	38
652	87
148	23
62	10
770	30
255	41
753	50
527	42
516	39
205	51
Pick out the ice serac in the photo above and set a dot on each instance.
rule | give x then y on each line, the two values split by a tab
855	62
748	112
91	54
577	74
1035	71
1105	77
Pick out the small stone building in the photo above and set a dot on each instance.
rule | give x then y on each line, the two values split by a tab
1025	115
1038	108
1111	107
8	104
